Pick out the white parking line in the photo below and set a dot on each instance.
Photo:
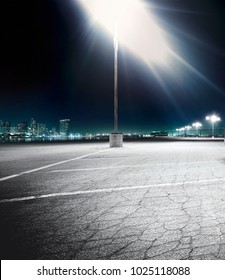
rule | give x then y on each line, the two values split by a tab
49	165
105	190
130	166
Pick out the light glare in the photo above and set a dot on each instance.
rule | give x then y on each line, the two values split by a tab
136	27
197	125
213	118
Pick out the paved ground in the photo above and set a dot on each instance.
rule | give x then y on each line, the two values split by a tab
159	200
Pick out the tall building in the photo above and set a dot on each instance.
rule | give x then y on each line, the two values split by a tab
5	127
33	126
64	126
41	129
22	127
13	129
1	127
53	131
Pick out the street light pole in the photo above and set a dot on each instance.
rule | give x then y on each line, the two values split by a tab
116	138
212	129
197	125
114	15
213	119
115	80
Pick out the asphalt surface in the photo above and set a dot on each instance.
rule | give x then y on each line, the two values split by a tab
159	200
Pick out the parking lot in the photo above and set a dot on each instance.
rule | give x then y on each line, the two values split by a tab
149	200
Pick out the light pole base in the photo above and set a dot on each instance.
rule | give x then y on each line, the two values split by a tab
116	140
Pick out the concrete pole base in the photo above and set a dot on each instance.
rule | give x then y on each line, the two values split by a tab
116	140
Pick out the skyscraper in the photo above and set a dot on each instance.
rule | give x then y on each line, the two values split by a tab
33	126
41	129
22	127
5	127
1	127
64	127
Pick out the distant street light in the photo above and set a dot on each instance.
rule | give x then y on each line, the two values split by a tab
213	119
187	128
178	131
197	125
182	129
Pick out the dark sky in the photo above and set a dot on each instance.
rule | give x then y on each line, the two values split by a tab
54	64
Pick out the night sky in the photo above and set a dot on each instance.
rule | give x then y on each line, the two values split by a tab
54	64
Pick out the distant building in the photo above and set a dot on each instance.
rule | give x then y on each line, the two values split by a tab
22	127
64	126
5	127
1	127
33	126
41	129
13	129
53	131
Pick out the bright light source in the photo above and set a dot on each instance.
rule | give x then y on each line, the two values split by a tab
187	127
109	12
212	118
197	125
136	27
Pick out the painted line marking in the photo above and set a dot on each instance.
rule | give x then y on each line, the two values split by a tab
128	166
110	190
50	165
9	177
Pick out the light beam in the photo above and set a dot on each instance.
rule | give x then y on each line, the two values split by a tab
137	29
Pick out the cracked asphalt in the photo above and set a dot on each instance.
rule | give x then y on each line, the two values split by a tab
156	200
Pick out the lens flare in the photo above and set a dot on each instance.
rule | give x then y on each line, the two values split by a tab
135	27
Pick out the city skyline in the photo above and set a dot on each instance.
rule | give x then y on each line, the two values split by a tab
56	63
63	127
35	127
